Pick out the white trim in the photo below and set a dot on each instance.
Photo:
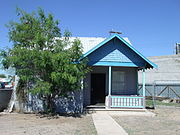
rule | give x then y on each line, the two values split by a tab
110	71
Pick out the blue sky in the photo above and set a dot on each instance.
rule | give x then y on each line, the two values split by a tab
152	26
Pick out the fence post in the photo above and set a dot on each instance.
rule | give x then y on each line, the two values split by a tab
154	95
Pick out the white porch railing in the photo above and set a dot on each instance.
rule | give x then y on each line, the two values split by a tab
125	101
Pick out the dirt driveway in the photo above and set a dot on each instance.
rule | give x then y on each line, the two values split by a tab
166	122
31	124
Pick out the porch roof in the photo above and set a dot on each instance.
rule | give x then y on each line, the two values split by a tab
148	63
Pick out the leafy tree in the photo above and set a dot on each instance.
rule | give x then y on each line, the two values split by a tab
46	62
2	76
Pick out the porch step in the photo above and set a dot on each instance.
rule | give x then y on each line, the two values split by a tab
94	110
122	112
95	107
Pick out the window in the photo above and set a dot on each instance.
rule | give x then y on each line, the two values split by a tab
118	82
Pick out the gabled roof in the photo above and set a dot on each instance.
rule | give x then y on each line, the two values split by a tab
90	42
152	65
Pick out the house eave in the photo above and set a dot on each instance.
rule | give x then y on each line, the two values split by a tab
149	63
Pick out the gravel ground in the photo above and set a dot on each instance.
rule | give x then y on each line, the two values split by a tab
166	122
31	124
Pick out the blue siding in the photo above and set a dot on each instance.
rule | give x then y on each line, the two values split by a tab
116	56
115	53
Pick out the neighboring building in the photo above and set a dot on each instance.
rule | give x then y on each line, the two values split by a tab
165	80
168	69
177	48
5	92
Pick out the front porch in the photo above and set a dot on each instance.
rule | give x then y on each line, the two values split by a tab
113	87
114	76
125	101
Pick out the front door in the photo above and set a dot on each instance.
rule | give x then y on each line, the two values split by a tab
98	83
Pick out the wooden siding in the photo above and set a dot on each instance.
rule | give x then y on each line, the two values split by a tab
117	52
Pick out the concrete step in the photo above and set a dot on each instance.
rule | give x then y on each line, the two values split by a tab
95	107
113	110
120	112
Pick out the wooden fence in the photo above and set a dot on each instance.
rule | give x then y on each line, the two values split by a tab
162	90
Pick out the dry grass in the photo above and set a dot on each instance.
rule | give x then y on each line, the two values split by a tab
166	122
31	124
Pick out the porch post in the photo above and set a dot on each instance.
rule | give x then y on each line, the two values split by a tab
144	81
108	98
110	71
144	88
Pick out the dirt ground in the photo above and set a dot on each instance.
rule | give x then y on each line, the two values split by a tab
31	124
166	122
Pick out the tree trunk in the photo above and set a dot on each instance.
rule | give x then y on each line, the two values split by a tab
50	104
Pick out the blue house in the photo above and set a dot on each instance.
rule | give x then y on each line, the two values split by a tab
114	76
113	80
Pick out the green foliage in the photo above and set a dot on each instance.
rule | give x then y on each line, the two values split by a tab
2	76
46	63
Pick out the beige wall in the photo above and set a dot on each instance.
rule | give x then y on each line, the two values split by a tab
168	70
